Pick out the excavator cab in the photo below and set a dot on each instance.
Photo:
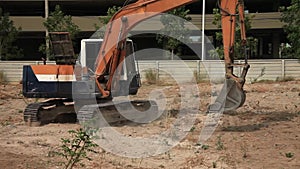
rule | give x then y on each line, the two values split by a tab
128	79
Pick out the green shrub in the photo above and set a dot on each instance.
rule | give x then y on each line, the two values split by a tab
151	76
285	79
76	148
219	144
262	73
200	77
289	155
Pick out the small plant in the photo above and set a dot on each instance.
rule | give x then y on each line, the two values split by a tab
168	154
150	76
192	129
262	73
196	76
285	79
205	147
161	166
219	144
214	164
75	149
244	149
5	123
2	78
199	78
289	155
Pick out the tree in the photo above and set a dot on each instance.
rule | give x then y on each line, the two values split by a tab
8	35
239	52
174	27
104	20
59	22
291	16
109	14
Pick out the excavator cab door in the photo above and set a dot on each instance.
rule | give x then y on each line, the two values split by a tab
129	81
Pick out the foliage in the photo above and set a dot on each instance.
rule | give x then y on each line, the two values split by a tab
291	16
205	147
285	79
245	149
8	35
150	76
2	77
174	31
214	164
262	73
219	144
289	155
199	77
74	150
104	20
59	22
286	51
192	129
238	49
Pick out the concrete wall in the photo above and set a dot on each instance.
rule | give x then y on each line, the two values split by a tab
183	71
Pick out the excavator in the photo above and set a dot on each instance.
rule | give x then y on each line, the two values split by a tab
65	82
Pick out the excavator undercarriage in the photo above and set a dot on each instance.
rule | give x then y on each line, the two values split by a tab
63	111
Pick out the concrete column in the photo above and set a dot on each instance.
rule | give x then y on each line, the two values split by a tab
276	45
261	48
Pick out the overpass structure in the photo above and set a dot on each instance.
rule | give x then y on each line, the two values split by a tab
30	15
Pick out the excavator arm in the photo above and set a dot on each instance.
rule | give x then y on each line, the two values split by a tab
112	51
230	10
232	94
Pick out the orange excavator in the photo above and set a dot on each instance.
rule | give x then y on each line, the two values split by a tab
115	75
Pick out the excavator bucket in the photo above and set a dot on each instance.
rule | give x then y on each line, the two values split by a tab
230	97
62	48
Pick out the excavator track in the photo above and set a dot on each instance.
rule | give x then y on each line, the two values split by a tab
36	114
102	114
31	113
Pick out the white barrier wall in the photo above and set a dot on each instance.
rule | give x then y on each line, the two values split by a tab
183	70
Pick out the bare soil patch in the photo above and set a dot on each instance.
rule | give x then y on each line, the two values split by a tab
264	133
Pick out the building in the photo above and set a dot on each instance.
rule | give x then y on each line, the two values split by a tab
29	14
